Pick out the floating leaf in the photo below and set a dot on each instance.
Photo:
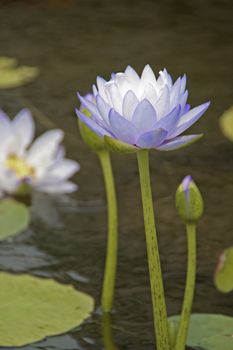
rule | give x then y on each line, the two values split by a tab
12	76
226	123
14	218
210	331
32	308
224	271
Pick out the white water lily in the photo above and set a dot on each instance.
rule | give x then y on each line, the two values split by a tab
40	165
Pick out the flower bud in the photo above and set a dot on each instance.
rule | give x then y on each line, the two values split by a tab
95	142
189	202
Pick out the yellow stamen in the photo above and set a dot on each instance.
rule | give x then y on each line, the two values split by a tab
19	166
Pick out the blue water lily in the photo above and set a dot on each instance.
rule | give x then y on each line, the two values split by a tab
142	111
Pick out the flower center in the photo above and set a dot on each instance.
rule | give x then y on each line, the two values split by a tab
19	166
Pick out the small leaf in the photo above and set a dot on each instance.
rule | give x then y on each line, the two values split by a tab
119	146
210	331
33	308
226	123
224	271
12	76
14	218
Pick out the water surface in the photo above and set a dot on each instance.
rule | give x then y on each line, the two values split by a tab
71	42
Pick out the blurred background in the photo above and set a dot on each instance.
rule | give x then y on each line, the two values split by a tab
71	42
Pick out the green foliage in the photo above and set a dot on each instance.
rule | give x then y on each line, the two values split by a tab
119	146
210	331
226	123
14	218
224	271
12	76
189	204
33	308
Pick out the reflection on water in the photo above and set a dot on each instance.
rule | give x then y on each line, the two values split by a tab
71	42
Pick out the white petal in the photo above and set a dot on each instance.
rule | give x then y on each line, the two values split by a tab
175	93
101	82
150	94
115	97
25	128
62	170
132	75
148	76
63	187
9	183
130	103
45	148
162	105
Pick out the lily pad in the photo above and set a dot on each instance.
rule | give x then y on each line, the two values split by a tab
226	123
14	218
12	76
224	271
210	331
33	308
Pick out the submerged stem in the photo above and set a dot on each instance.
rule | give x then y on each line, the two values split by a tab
156	279
107	332
112	240
189	288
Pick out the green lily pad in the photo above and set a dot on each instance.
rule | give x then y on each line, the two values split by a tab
226	123
210	331
14	218
224	272
33	308
12	76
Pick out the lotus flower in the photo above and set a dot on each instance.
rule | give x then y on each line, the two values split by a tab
142	111
40	165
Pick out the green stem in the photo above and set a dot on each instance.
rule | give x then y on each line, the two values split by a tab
107	332
112	241
189	288
156	279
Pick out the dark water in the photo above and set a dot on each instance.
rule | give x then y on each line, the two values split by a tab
71	42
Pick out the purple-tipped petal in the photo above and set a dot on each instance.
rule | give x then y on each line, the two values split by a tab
183	100
183	84
4	117
169	121
178	142
186	182
152	138
122	128
175	92
187	108
92	124
130	103
144	116
189	119
88	104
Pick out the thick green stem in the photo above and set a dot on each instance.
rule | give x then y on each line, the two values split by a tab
189	288
112	241
107	332
156	279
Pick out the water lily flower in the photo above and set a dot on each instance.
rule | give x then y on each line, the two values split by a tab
41	165
142	111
